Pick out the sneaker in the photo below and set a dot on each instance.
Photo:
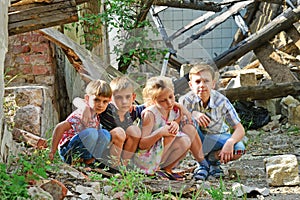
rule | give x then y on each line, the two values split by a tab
215	170
201	172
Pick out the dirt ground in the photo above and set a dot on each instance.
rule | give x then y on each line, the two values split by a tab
261	144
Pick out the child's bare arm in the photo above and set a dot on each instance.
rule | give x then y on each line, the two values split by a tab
183	112
226	154
86	110
150	138
202	119
57	135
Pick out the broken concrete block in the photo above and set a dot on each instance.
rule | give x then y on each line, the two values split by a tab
282	170
56	189
240	190
248	79
294	114
39	193
291	109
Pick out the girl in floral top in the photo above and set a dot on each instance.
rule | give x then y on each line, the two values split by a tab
162	146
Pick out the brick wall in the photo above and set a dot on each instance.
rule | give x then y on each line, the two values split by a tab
30	56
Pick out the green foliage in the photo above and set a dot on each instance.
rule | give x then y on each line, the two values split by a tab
12	186
21	171
219	193
293	130
129	182
34	164
132	36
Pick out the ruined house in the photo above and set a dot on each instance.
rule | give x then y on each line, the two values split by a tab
52	69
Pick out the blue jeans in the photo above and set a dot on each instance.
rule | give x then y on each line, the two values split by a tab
89	143
215	142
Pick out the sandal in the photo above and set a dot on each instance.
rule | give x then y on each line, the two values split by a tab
216	171
201	172
169	175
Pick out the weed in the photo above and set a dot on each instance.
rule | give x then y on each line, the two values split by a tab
95	176
23	170
12	186
293	130
220	192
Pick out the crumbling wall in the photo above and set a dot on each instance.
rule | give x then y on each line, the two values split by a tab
30	64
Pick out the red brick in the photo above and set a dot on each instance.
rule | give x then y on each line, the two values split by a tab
23	59
39	59
40	48
40	70
17	49
25	69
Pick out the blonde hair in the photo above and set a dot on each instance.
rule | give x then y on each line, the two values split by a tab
199	67
154	86
121	83
98	88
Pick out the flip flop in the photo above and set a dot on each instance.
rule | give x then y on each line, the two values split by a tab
169	175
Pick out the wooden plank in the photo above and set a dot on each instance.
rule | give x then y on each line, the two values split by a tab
34	16
190	4
190	25
32	5
87	64
35	24
25	2
271	62
263	92
282	22
39	11
215	22
42	17
29	138
266	54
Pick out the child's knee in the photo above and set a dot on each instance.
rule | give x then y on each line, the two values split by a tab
184	142
134	132
118	135
190	130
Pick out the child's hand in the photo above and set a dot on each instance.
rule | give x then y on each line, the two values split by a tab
202	119
132	108
51	156
183	112
86	115
226	154
173	127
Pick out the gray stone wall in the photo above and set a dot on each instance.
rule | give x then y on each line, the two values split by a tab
3	49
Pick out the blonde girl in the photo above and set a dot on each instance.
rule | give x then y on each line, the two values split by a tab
161	146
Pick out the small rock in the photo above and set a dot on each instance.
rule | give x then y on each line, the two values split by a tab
282	170
56	189
240	189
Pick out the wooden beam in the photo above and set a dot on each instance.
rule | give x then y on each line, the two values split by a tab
38	15
282	22
36	11
263	92
215	22
190	25
29	138
87	64
190	4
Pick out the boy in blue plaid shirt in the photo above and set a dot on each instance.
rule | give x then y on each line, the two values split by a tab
212	112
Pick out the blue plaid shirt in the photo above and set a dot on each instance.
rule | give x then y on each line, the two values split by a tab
219	110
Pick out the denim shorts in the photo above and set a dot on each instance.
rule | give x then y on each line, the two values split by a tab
215	142
89	143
